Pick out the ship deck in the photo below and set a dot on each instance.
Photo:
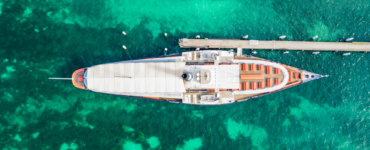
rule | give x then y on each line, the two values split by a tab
210	77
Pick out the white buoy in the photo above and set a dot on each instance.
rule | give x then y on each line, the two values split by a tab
245	37
254	52
346	54
197	49
286	52
165	34
349	39
197	37
124	47
165	49
315	53
282	37
315	37
124	33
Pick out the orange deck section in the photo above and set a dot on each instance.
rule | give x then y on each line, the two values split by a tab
277	81
252	76
244	67
277	71
245	86
260	85
268	82
296	75
253	67
268	70
253	86
259	67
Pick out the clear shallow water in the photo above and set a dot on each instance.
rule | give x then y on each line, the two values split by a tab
43	39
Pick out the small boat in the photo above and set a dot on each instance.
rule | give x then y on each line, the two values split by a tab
346	54
349	39
254	52
315	53
124	47
206	77
282	37
124	33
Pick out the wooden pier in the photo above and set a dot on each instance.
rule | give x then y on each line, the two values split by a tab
275	45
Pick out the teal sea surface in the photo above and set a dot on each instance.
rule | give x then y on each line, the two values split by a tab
52	38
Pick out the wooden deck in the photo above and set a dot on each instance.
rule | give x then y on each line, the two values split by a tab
276	45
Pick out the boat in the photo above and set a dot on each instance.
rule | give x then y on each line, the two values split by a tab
206	77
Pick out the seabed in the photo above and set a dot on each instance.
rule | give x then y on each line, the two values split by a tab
41	40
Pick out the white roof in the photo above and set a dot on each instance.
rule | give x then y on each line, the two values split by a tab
217	76
130	78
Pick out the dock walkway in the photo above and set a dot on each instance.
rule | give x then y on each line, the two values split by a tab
276	45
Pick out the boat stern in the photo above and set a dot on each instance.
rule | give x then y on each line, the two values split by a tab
79	78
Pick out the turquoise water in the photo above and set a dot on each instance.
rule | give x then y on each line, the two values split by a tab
41	39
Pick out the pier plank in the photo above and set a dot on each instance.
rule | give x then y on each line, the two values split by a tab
276	45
